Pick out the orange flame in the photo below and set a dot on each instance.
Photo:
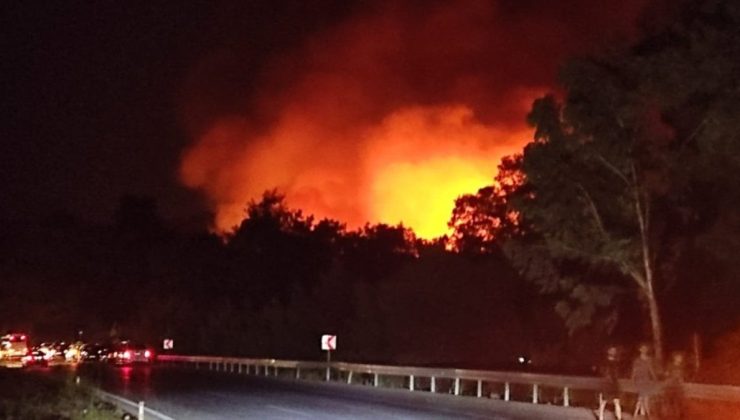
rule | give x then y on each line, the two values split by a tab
421	159
390	114
412	167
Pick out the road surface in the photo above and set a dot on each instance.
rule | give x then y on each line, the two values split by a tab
202	395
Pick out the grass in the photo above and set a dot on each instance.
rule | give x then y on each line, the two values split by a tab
42	395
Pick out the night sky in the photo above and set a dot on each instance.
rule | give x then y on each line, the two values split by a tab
107	98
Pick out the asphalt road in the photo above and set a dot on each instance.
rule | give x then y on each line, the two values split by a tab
199	395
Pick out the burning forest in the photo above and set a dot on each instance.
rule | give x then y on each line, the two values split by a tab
389	114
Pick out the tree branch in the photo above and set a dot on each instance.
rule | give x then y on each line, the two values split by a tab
636	276
614	169
594	210
694	133
642	221
623	266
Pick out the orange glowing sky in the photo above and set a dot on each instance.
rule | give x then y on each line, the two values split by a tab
388	115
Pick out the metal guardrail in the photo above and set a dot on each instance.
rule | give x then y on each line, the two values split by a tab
415	376
127	406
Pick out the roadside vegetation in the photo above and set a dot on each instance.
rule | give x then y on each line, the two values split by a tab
30	396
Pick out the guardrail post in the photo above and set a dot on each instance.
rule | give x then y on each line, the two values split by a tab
479	390
141	410
349	377
535	393
210	365
566	397
196	365
239	368
375	380
457	386
297	372
275	370
434	384
411	382
507	392
328	373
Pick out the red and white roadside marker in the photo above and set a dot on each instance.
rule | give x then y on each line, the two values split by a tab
328	342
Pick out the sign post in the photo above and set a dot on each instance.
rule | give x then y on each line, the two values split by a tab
328	344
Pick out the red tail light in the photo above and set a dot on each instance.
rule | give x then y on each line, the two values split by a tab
126	354
147	354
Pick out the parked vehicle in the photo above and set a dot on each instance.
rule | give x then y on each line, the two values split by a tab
35	358
127	353
13	347
94	353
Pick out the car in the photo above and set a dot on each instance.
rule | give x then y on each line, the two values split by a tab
94	353
35	358
127	353
55	351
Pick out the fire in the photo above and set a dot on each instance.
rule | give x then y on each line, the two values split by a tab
421	159
413	165
385	116
421	196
